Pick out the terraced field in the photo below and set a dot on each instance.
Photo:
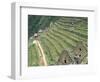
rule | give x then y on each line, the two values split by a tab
63	40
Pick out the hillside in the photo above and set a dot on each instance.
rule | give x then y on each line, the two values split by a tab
58	34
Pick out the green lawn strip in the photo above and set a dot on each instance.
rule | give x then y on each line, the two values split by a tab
56	40
52	48
77	34
63	41
72	19
68	36
81	28
72	29
55	44
33	56
59	46
60	38
79	25
67	40
66	33
72	35
68	24
29	57
76	27
65	19
47	51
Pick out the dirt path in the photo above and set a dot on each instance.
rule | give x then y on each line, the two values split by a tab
42	60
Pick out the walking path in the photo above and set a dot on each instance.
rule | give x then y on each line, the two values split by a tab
41	53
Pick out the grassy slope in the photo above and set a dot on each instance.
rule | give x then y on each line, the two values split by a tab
60	36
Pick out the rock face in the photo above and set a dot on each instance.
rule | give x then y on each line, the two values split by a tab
80	53
64	58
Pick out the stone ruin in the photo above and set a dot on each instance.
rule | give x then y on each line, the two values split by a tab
78	56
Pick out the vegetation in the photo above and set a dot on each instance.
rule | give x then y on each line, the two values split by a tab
59	33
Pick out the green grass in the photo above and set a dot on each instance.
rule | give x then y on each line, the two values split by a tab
62	34
47	50
33	57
